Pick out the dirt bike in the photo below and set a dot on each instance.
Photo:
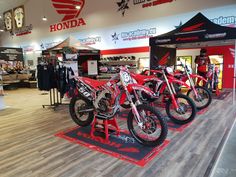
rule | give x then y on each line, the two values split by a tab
179	108
103	99
199	94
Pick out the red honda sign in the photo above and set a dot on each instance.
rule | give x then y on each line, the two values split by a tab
71	10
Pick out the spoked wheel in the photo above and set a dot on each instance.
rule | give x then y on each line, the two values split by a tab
81	111
186	111
153	128
202	99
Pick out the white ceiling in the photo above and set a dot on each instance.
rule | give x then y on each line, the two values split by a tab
10	4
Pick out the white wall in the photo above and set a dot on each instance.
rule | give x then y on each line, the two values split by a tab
103	20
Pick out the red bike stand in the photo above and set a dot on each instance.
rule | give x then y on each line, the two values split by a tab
106	125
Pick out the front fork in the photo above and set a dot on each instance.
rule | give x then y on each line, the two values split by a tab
134	108
192	85
172	91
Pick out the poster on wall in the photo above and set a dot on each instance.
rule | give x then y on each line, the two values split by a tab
19	17
8	20
11	54
92	67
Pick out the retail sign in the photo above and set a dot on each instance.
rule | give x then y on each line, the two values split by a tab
11	54
215	36
91	40
8	20
151	3
225	21
14	21
23	31
135	34
124	5
71	10
19	17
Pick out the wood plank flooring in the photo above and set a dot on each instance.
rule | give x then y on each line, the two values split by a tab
28	147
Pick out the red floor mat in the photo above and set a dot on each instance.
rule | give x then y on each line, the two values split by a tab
123	147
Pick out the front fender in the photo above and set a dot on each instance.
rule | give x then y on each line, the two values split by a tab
182	83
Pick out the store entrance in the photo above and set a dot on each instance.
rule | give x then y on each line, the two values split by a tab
218	60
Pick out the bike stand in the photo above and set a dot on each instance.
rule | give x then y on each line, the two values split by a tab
106	126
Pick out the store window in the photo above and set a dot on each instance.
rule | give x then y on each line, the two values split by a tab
186	60
218	61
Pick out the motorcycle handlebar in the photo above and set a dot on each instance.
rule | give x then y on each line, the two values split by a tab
159	67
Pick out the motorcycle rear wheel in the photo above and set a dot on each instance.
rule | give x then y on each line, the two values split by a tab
154	130
78	104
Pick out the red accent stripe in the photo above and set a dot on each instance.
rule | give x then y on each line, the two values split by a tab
62	6
67	11
69	2
194	27
68	17
125	50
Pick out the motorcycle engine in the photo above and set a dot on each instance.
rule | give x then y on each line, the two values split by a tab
103	102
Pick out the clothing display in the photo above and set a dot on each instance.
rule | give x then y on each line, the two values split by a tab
46	77
59	77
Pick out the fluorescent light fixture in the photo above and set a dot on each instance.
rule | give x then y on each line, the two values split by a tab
44	18
77	7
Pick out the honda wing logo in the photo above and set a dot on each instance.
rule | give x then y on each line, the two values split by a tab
164	59
193	28
68	8
71	10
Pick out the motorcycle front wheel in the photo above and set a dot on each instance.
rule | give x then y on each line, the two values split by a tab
186	111
153	130
202	99
81	111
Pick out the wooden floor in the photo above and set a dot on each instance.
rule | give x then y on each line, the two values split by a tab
28	146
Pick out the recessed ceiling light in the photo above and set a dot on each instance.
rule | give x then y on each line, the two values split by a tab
44	18
77	7
1	30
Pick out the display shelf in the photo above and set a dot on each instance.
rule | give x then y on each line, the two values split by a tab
118	62
113	64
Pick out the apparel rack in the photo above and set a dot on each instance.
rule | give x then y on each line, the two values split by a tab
55	96
55	99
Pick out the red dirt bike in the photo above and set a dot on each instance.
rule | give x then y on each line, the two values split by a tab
199	94
179	108
103	100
